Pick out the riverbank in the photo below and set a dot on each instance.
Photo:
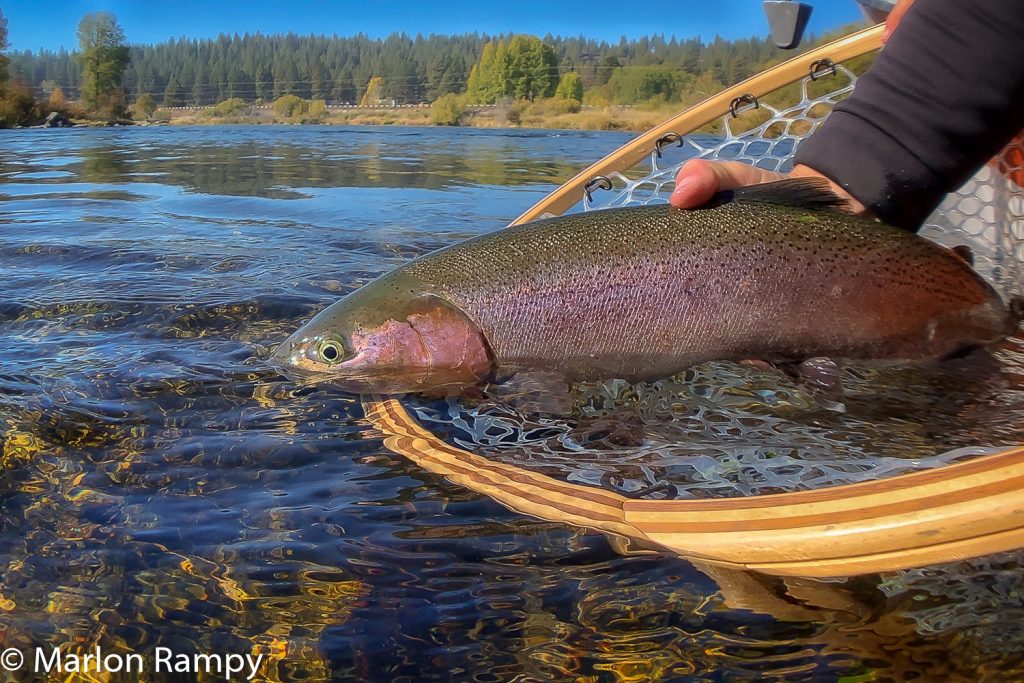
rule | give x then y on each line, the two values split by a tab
537	115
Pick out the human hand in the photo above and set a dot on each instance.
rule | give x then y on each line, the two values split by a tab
699	180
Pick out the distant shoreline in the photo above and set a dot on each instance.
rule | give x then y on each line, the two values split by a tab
609	118
536	116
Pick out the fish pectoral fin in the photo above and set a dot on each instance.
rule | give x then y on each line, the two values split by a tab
534	393
760	364
801	193
610	432
821	378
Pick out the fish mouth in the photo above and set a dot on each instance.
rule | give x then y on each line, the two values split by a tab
279	360
285	360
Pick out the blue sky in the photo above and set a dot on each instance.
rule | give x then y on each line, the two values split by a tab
34	24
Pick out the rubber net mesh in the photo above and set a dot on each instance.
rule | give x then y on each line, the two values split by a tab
725	429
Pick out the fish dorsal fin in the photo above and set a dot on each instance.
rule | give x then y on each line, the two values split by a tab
802	193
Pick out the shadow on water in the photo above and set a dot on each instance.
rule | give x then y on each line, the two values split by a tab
160	487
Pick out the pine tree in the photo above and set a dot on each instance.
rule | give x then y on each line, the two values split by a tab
200	86
173	96
320	81
451	82
344	89
437	68
263	80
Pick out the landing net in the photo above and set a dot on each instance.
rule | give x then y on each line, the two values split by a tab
725	430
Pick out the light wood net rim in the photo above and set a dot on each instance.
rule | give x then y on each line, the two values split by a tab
956	512
959	511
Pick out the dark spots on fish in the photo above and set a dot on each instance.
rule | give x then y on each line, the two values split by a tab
692	263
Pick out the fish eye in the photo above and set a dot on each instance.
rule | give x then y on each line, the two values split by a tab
331	351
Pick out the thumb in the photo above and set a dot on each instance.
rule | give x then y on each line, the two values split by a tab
699	180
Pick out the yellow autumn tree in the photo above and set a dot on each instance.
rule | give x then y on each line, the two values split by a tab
373	90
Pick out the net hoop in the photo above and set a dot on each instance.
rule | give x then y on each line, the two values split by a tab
909	520
711	109
921	518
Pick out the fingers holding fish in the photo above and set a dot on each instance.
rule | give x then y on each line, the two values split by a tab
699	180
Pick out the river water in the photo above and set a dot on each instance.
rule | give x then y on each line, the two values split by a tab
162	489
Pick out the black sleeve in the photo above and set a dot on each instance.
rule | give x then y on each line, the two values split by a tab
944	96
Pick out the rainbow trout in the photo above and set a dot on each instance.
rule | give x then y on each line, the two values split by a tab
773	272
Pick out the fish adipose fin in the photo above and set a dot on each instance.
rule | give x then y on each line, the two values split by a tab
964	252
801	193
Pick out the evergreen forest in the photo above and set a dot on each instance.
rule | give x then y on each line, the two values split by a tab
403	69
